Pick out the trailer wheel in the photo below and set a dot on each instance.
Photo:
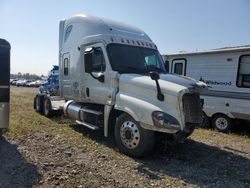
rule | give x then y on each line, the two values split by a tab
47	107
131	138
38	103
222	123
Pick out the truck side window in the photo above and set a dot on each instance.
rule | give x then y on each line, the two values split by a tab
243	79
66	66
98	61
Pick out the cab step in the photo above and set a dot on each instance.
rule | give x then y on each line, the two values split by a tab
88	125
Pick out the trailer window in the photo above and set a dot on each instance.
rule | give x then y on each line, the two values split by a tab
243	79
178	67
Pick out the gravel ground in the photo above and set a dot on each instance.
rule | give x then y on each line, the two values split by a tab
47	159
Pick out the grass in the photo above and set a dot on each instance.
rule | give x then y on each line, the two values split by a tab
25	121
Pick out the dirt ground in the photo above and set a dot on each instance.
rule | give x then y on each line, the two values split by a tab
42	152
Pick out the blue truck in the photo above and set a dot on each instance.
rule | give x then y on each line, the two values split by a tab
51	86
48	90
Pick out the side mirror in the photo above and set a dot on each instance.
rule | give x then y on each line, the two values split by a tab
154	76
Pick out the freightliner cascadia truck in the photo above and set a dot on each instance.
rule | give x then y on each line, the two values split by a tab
112	77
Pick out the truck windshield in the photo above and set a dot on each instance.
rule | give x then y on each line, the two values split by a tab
134	59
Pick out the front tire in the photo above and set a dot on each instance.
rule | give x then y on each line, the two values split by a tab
131	138
222	123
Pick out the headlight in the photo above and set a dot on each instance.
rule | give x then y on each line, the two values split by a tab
164	120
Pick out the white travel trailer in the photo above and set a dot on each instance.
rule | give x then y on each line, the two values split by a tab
113	77
227	74
4	85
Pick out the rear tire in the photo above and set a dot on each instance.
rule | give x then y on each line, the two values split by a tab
222	123
38	103
47	107
131	138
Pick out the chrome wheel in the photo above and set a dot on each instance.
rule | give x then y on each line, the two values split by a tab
131	138
130	135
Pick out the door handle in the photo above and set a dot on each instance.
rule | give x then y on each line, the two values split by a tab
87	92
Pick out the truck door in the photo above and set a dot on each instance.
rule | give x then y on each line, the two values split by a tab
65	75
4	83
179	66
97	84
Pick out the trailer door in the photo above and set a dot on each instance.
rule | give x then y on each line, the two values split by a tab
179	66
4	83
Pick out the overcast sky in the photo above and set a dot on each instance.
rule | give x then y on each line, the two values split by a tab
31	26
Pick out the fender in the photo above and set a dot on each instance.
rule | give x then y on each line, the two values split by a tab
140	109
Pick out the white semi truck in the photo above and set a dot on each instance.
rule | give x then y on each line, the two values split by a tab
113	77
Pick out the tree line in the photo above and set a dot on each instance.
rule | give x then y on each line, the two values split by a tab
26	76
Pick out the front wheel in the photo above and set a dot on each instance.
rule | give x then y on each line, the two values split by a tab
222	123
131	138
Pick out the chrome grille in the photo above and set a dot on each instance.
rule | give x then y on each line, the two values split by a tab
192	108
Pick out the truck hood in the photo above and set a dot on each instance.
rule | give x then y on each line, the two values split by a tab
169	83
185	81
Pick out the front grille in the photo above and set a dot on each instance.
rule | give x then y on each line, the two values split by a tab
192	108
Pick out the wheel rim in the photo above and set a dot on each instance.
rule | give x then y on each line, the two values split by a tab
37	104
130	134
221	123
